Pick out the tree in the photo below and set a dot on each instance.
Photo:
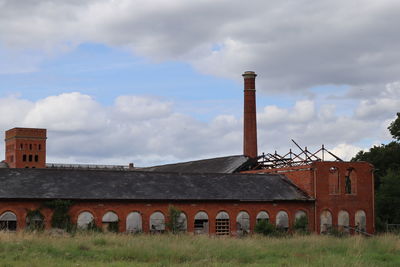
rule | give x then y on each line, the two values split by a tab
386	160
394	127
388	198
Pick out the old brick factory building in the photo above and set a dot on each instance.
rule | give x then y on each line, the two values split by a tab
222	196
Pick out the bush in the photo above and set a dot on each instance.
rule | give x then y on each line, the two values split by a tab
301	225
175	224
265	228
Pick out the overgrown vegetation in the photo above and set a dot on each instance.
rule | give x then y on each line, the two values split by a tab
60	218
34	220
386	160
301	225
175	224
93	249
264	227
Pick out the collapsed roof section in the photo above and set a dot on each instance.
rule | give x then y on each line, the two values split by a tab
42	184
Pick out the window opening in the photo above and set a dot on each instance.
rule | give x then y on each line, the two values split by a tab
24	157
8	221
326	221
30	146
157	222
30	158
361	221
84	220
262	216
201	223
134	223
282	220
334	181
343	221
222	224
110	222
243	223
350	181
36	158
40	147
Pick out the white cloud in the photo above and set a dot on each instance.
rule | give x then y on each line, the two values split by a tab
146	130
292	45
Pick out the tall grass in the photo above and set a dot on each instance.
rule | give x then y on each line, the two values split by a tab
97	249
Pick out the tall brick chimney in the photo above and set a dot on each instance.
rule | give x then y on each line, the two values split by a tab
250	118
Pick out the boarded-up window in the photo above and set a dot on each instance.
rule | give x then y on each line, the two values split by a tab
334	179
361	221
8	221
326	221
134	223
85	219
110	222
222	224
157	222
262	216
343	221
201	223
243	223
282	220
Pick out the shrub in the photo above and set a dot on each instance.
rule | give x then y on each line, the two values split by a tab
301	225
175	225
265	228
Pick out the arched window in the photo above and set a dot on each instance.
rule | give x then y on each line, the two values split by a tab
222	224
361	221
35	221
351	181
343	221
326	221
300	221
201	223
157	222
243	223
85	220
333	179
8	221
282	220
134	222
182	222
110	222
262	216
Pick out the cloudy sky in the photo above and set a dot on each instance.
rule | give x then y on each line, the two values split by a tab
160	81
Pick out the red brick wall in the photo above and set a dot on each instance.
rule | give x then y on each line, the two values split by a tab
30	142
363	199
122	209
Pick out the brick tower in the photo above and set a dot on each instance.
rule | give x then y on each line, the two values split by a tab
250	116
26	148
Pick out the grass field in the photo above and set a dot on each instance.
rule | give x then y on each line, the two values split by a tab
27	249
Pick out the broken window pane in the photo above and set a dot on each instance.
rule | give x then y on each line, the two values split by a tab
201	223
243	223
157	222
84	219
8	221
262	215
110	222
282	220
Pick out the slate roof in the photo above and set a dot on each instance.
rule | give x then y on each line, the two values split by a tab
133	185
228	164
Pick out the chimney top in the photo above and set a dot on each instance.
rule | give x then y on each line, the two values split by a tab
249	74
